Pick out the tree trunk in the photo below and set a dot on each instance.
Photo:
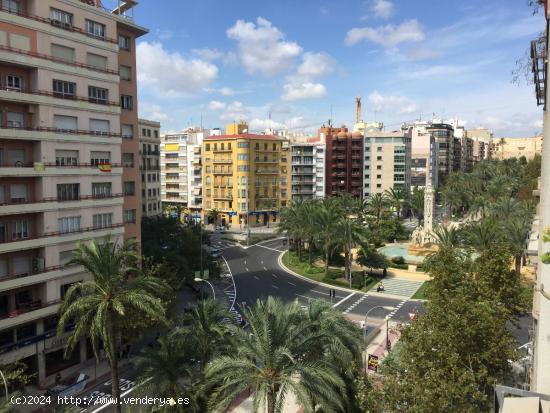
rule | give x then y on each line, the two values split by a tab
300	249
346	264
327	253
310	247
271	401
518	265
114	370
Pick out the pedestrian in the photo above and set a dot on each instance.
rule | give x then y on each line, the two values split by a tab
380	287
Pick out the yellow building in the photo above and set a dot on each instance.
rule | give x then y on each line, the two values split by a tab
237	128
504	148
246	178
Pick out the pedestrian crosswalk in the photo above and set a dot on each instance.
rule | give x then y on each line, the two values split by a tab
356	303
399	286
223	244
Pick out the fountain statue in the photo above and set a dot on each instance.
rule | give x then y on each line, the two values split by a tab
423	239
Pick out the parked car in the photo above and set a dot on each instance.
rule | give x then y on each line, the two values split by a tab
215	253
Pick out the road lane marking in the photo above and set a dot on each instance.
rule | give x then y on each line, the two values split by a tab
268	248
262	262
274	286
244	262
343	299
274	275
246	268
291	283
265	269
256	277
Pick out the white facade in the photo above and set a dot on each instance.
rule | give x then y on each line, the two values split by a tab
308	170
149	150
424	155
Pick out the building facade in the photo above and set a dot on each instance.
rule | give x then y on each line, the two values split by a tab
68	163
246	179
387	162
149	142
344	161
308	171
424	156
505	148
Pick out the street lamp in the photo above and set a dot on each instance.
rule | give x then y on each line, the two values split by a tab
211	286
388	343
385	307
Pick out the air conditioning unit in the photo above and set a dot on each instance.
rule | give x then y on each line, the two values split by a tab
38	264
57	23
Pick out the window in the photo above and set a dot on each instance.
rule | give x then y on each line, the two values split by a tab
124	42
14	83
20	229
379	167
3	232
21	42
16	119
207	147
130	216
64	89
128	160
62	52
61	17
129	188
65	123
126	102
68	192
12	6
66	158
69	224
102	220
125	72
379	149
101	189
96	60
242	157
98	95
18	193
99	126
127	131
95	29
97	158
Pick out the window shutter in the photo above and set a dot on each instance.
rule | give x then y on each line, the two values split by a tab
65	122
18	191
99	125
63	52
21	265
21	42
97	60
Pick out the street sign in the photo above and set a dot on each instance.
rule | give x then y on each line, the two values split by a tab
372	363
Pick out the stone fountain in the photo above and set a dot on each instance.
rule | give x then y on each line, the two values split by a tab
423	241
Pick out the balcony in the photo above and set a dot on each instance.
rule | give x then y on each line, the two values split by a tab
267	171
258	161
36	169
34	310
53	238
58	24
38	274
219	172
223	197
222	150
24	206
60	131
223	161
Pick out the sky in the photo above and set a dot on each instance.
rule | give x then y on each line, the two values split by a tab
305	61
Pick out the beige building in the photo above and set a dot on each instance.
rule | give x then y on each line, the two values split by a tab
246	178
504	148
68	163
149	166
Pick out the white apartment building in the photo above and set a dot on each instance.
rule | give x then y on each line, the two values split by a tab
149	144
308	170
424	155
387	162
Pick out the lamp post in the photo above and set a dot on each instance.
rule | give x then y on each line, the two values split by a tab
207	282
388	343
385	307
5	384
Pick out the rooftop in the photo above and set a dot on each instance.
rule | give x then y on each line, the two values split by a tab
245	136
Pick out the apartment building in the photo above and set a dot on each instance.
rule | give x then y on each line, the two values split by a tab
344	160
505	148
308	171
424	156
387	162
149	142
246	178
68	169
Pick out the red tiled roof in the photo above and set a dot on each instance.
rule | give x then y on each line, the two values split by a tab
244	136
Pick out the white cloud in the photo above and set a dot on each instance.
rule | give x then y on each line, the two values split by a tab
387	36
315	64
391	103
152	112
216	105
235	111
301	91
263	124
382	8
262	47
227	91
423	53
167	72
208	54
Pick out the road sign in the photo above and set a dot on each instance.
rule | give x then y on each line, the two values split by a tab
372	362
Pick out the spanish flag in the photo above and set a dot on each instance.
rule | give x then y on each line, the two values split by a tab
104	167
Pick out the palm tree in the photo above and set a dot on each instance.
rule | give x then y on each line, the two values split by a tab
292	219
309	226
376	205
416	203
506	208
209	330
502	142
279	355
349	233
447	237
396	198
481	235
117	296
268	205
213	214
326	218
169	370
517	232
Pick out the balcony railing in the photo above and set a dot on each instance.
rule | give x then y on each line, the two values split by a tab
62	96
80	198
28	307
38	271
57	23
60	233
56	130
58	60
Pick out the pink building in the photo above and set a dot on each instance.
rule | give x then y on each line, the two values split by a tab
68	161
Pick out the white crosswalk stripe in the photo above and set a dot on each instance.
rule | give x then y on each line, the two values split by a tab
398	286
355	304
223	244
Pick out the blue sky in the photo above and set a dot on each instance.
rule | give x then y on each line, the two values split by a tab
227	60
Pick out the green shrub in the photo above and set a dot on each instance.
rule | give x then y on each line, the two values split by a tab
398	260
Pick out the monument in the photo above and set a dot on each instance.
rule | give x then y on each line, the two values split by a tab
423	239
